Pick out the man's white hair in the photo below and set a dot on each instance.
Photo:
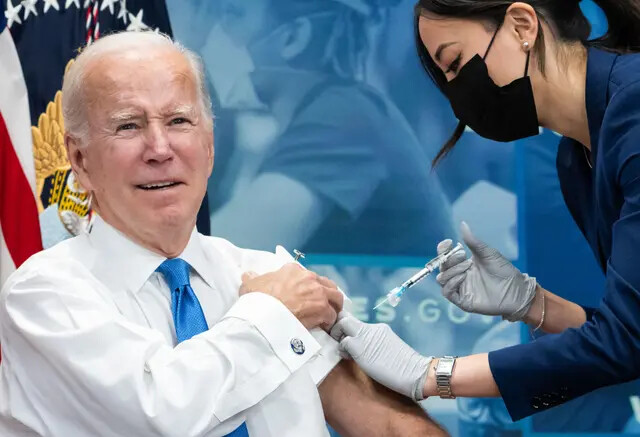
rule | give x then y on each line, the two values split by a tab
73	93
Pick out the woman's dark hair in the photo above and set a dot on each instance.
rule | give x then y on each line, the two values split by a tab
564	18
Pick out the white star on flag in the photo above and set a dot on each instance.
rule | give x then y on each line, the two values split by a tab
12	14
51	3
29	7
108	4
123	11
136	22
70	2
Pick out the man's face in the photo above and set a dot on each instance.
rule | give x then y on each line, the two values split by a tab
150	147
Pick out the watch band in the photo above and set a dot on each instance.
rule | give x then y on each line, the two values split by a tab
444	370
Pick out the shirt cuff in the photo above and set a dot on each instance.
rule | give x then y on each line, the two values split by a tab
289	339
329	356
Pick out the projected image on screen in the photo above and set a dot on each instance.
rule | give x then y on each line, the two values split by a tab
325	129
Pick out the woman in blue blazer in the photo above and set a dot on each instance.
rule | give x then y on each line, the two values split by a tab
508	68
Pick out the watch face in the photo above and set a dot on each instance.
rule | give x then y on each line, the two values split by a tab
445	366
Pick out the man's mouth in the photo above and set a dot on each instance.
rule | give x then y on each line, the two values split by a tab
158	185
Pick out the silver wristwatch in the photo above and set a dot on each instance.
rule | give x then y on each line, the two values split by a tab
444	369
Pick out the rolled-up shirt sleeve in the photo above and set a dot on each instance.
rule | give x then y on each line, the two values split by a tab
328	353
86	370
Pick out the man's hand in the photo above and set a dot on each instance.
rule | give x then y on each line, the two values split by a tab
315	300
383	355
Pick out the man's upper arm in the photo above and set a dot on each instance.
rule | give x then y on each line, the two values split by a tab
355	405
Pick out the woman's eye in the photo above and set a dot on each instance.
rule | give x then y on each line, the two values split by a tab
126	126
453	67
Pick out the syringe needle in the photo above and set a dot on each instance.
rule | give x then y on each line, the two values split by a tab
394	296
381	303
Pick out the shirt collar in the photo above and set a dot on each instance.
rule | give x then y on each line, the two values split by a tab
599	66
126	265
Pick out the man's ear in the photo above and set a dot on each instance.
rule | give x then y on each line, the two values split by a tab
297	38
76	154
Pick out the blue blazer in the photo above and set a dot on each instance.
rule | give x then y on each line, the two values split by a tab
605	203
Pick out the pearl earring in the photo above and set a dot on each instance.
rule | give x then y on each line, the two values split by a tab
525	45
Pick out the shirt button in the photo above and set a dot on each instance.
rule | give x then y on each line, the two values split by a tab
297	346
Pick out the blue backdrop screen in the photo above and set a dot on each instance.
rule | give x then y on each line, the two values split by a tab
325	128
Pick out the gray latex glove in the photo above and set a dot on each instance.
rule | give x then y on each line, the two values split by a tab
382	355
487	283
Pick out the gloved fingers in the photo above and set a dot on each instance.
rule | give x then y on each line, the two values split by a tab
346	325
444	277
350	347
477	247
344	355
455	259
444	245
451	290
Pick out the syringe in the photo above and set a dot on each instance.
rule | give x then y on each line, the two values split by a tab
394	296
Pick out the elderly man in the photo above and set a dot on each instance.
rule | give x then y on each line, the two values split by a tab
145	327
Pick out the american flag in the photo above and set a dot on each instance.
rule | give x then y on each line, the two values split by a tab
40	201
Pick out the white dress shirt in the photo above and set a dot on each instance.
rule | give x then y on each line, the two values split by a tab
89	346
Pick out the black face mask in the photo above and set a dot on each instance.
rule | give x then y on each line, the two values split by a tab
505	113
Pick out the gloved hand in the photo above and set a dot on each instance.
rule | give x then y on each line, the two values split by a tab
487	283
382	355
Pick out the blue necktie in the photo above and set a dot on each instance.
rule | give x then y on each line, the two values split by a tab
188	317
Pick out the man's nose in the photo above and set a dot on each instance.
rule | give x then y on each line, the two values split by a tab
157	144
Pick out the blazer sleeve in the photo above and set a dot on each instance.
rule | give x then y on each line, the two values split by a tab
606	349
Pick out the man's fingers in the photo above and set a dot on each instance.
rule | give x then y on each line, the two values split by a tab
444	277
336	298
327	282
329	319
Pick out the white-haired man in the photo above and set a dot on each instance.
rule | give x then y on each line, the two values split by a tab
145	327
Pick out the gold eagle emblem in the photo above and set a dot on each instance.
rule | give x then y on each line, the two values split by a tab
56	185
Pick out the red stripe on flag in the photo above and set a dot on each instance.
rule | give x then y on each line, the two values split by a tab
18	210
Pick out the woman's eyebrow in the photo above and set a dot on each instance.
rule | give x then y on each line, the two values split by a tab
441	47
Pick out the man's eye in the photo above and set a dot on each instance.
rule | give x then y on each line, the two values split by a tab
453	67
179	120
127	126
